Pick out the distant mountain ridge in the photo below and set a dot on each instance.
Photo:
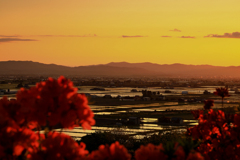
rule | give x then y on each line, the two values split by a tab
121	69
183	70
36	68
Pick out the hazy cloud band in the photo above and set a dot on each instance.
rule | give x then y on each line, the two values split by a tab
15	39
136	36
226	35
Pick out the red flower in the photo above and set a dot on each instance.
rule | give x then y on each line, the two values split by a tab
237	120
216	117
208	104
55	102
179	152
197	114
59	146
10	110
193	155
16	140
205	148
222	92
4	116
114	152
2	154
150	152
83	111
25	139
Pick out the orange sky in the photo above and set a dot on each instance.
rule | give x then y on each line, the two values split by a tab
78	32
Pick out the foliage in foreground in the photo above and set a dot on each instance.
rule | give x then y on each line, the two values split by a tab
55	103
94	140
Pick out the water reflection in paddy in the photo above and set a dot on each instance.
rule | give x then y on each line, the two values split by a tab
149	120
135	131
144	108
150	125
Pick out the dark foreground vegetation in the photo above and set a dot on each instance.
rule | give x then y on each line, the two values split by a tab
94	140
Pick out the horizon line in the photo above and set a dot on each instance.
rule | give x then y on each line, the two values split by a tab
177	63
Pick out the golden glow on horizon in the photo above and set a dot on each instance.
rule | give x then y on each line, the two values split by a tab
109	20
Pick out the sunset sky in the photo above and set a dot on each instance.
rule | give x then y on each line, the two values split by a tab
88	32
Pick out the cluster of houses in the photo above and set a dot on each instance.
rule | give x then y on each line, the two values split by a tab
137	121
191	100
150	95
119	122
146	96
130	121
4	91
162	120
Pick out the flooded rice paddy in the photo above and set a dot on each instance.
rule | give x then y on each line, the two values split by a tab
148	126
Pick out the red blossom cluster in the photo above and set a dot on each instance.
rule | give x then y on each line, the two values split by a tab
14	139
150	151
55	102
59	146
153	152
113	152
218	134
49	104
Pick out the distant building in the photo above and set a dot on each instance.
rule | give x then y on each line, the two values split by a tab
177	120
164	120
107	96
97	89
134	120
146	98
167	91
206	92
184	92
134	90
2	91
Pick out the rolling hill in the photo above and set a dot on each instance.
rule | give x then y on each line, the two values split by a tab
121	69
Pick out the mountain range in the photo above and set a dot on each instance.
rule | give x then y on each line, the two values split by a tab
118	69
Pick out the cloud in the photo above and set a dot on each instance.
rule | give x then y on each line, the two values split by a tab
175	30
11	38
226	35
15	39
87	35
166	36
136	36
186	37
15	36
